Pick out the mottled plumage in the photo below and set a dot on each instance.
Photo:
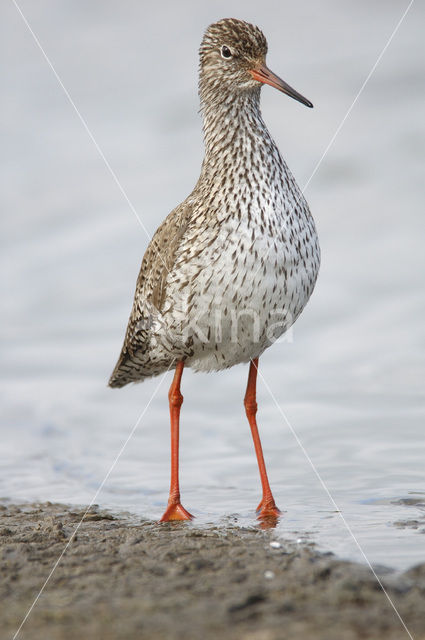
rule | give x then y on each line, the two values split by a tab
232	267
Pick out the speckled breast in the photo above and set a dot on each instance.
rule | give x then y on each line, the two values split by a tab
248	282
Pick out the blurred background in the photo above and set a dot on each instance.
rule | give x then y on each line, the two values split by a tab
350	381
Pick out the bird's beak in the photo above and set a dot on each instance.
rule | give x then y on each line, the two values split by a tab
263	74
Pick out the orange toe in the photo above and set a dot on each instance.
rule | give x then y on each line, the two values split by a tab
268	509
176	512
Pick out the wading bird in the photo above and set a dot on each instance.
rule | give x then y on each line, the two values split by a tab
232	267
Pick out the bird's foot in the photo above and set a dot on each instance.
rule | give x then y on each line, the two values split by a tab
176	511
268	509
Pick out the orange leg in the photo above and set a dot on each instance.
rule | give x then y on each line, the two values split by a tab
175	510
267	507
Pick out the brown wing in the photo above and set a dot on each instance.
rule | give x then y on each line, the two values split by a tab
150	294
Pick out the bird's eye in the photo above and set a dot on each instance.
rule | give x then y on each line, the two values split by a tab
225	52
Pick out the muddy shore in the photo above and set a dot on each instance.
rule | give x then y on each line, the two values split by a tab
125	578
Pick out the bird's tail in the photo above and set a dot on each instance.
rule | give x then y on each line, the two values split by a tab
136	369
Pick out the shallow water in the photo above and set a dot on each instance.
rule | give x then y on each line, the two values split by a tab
350	379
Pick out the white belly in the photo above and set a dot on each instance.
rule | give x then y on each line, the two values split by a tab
244	294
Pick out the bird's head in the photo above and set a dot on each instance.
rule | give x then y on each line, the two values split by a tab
233	60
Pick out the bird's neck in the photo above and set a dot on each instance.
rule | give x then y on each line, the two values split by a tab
234	132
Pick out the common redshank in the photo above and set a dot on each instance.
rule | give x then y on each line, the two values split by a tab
232	267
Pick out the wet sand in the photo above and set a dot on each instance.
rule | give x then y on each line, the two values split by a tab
125	578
